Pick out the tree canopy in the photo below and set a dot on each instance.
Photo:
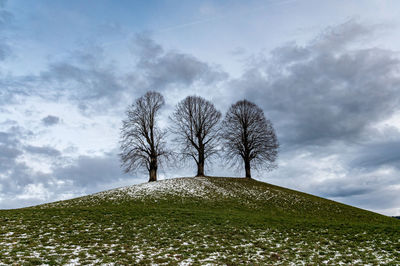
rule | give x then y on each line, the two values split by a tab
195	124
248	137
142	141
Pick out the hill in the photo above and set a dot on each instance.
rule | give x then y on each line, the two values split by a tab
198	221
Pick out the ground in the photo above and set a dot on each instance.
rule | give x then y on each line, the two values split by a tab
204	220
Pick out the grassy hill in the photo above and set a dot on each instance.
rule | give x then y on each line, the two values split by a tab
198	221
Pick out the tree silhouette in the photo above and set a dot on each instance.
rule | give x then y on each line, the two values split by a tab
142	142
249	137
195	123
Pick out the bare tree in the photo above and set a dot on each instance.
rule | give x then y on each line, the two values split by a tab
249	137
195	123
142	142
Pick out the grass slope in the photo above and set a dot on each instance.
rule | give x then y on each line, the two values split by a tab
198	221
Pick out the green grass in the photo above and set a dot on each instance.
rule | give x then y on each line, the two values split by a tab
234	221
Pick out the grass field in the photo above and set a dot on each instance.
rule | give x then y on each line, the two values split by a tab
198	221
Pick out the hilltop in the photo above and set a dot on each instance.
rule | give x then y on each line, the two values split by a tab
198	221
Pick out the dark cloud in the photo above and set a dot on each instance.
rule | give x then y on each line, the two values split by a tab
9	153
345	187
145	47
80	174
377	154
336	38
93	82
43	150
326	98
9	149
15	175
383	200
24	186
326	173
50	120
379	196
335	191
88	171
8	156
162	68
6	137
84	78
19	176
316	94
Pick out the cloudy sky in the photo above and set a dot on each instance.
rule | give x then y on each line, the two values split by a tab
327	74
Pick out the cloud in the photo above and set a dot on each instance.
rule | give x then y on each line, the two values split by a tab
87	171
50	120
8	156
326	172
90	79
326	99
317	95
338	37
86	78
377	154
383	200
163	68
9	149
43	150
15	174
8	153
145	47
92	82
353	183
23	186
335	191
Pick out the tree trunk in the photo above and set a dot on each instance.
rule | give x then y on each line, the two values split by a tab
153	175
200	169
247	168
200	165
153	170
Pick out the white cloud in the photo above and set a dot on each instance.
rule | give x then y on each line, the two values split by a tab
35	191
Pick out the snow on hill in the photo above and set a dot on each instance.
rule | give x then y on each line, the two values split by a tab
198	220
251	193
207	188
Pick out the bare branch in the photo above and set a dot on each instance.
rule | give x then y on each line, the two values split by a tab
195	123
249	137
142	142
